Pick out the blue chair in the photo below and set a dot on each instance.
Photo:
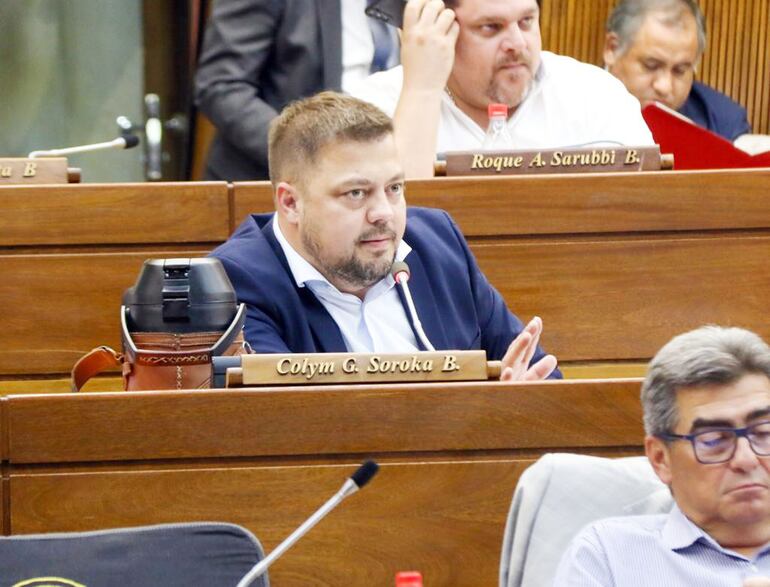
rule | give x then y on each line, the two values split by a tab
206	554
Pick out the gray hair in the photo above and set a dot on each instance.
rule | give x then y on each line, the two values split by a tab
710	355
628	15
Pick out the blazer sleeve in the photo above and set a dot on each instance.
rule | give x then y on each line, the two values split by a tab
262	330
239	39
498	325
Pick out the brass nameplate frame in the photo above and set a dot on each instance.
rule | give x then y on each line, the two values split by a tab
324	368
544	161
43	170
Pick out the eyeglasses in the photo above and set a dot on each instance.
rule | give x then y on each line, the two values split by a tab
718	445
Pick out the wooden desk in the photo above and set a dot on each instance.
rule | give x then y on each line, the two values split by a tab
450	454
615	264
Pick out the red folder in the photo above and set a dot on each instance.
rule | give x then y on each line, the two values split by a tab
695	147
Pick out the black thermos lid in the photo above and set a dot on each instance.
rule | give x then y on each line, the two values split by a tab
181	295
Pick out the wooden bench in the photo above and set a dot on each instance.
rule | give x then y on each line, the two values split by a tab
450	457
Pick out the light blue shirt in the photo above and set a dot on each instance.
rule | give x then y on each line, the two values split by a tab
665	550
376	324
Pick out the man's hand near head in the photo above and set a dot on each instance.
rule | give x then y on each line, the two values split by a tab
427	55
520	352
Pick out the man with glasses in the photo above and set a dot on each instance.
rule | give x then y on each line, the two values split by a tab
706	401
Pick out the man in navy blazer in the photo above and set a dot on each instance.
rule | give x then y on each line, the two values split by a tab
316	274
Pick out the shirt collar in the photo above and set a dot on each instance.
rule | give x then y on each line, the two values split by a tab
535	88
679	532
303	272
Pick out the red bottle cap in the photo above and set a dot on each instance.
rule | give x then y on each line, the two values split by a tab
409	579
497	110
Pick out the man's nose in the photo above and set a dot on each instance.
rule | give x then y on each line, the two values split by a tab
513	39
663	84
744	458
380	207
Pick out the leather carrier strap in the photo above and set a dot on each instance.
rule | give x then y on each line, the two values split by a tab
92	363
104	358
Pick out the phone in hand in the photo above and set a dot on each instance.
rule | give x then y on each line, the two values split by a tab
389	11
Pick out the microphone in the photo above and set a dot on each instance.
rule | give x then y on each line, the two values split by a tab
400	272
124	142
357	480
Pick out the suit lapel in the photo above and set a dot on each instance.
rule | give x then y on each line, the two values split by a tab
330	23
326	334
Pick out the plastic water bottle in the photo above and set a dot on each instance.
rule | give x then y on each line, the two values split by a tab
409	579
497	138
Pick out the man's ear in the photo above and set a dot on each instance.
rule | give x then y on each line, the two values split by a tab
610	53
658	454
287	202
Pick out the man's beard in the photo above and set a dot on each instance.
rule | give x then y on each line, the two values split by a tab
500	93
352	271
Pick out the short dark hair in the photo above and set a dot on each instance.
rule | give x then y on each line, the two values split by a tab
628	15
304	127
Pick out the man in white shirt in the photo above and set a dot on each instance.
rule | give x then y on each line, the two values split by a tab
459	56
316	275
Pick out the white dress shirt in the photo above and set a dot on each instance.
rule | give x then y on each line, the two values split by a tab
570	104
376	324
654	550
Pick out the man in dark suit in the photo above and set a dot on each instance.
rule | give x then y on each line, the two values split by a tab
654	47
316	275
259	55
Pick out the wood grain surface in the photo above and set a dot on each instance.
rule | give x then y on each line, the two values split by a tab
103	214
450	458
419	418
624	299
57	307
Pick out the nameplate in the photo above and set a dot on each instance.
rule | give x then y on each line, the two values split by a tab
543	161
321	368
36	171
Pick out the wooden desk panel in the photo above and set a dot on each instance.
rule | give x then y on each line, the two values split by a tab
82	427
57	307
443	518
251	197
602	203
114	213
450	455
623	299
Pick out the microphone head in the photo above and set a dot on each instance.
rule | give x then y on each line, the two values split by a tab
399	270
131	141
364	473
